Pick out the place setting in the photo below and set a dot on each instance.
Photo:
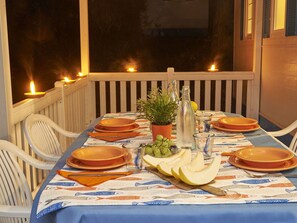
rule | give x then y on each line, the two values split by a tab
236	124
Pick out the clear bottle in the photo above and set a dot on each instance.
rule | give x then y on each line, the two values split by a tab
172	91
185	121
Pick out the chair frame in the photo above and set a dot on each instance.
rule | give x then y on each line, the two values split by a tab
13	151
287	130
38	118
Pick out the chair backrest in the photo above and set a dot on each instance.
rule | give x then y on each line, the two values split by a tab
14	189
287	130
41	137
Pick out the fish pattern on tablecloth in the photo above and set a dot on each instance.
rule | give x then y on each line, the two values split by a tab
145	188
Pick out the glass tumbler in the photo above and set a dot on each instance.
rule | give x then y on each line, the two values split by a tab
204	143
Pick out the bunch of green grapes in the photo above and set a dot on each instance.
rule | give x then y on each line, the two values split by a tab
160	148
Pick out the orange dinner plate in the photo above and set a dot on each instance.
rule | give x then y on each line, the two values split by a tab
98	155
218	126
75	163
237	122
264	156
286	165
116	122
129	128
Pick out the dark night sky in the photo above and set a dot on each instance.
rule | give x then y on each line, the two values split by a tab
44	39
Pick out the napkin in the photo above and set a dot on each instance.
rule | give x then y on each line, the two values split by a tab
112	137
91	178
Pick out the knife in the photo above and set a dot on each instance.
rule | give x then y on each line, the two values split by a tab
211	189
99	174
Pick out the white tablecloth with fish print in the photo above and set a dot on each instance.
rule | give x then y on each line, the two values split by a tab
145	188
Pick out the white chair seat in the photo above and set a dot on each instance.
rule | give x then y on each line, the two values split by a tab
16	199
285	131
40	133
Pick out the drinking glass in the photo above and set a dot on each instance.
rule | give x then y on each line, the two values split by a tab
204	143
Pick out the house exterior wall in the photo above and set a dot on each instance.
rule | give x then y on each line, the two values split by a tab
278	100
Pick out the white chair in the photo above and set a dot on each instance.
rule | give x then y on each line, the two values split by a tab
15	195
290	128
40	134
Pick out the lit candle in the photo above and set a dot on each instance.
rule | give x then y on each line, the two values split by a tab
213	68
67	80
80	74
131	69
33	93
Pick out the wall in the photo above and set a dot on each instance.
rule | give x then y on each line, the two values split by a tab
278	101
279	79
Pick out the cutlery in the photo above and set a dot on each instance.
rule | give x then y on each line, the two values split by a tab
260	175
98	174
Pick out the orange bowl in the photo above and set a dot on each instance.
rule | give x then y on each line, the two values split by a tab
99	155
264	157
116	122
237	122
129	128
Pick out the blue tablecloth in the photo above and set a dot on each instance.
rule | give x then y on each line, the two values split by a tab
243	213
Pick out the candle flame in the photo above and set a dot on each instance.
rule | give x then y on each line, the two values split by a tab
66	79
80	74
32	87
213	67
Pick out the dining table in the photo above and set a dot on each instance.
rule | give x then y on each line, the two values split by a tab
281	208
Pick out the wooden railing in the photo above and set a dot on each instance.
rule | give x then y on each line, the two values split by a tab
225	91
74	106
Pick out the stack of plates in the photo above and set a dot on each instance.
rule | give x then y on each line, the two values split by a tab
98	158
236	124
265	159
116	125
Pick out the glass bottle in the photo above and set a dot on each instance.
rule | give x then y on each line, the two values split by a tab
172	91
185	121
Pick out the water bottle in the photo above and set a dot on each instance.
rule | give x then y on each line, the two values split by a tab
172	91
185	121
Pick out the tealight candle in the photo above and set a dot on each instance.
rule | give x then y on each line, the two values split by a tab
80	74
67	80
131	69
33	93
213	68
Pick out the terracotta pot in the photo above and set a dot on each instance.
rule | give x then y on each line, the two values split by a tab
164	130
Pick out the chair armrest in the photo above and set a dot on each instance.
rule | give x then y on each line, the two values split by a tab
15	211
11	148
284	131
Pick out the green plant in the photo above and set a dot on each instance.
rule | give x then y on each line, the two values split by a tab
158	108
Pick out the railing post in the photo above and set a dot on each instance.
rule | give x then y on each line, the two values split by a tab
170	72
5	81
257	59
62	113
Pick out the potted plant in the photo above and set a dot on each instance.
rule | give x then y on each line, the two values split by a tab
160	110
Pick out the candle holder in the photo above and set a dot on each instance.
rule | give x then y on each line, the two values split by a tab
34	94
67	81
81	75
213	68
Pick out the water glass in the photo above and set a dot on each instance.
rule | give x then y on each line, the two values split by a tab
134	158
204	143
203	122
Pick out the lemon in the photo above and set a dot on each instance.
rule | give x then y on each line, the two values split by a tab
194	106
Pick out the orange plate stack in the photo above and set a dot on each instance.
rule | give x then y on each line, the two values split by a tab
98	158
236	124
263	159
116	125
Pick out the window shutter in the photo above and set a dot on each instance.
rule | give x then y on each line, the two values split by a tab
242	19
291	18
266	18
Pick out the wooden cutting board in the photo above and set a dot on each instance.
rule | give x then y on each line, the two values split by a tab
213	190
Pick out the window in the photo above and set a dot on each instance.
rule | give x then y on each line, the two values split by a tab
249	17
246	20
291	18
266	18
279	14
